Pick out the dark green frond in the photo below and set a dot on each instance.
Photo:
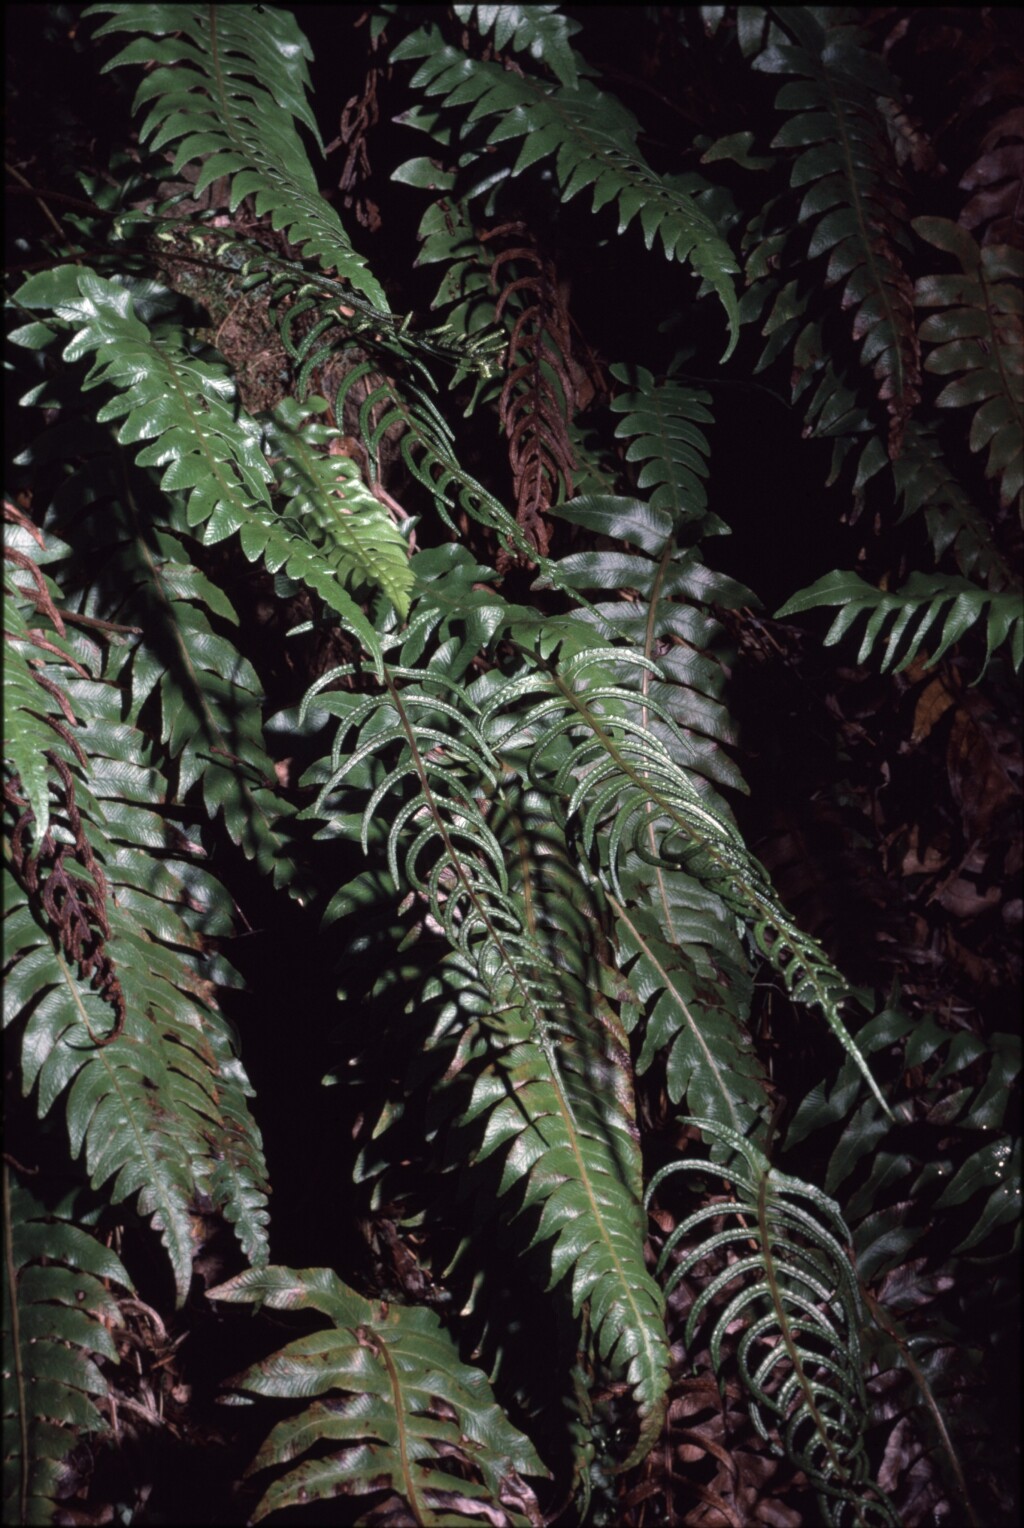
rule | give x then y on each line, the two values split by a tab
232	86
594	139
851	205
917	609
58	1311
399	1409
977	341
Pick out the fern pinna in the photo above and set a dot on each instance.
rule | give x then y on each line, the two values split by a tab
498	771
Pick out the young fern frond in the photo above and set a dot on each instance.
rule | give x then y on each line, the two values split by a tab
58	1311
400	1411
801	1317
233	86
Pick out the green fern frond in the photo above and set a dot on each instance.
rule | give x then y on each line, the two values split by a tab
29	711
58	1311
401	1412
546	1082
979	338
926	483
594	139
107	980
233	85
630	797
851	206
799	1356
186	407
663	426
539	28
328	491
913	612
667	618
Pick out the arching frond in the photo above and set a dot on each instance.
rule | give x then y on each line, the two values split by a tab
232	85
907	617
800	1313
594	139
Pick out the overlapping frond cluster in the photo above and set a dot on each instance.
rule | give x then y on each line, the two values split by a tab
540	1068
107	975
231	86
209	450
594	140
534	786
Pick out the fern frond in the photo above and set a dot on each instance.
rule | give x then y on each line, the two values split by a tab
58	1311
186	407
851	206
631	797
663	426
327	489
232	86
545	1084
400	1412
926	483
913	612
594	139
799	1356
979	338
539	28
665	616
107	981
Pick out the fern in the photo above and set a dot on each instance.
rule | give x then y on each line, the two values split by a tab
402	1413
850	206
58	1310
105	977
800	1313
979	338
916	608
594	139
499	768
210	98
538	28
